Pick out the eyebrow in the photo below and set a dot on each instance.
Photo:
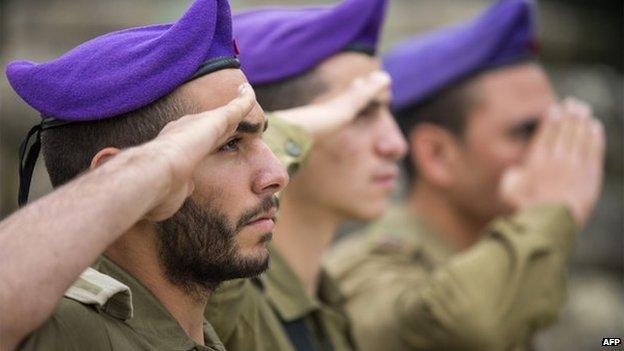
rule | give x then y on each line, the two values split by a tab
529	122
251	128
372	106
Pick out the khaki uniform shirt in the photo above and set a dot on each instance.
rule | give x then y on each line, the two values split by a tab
108	309
408	290
263	306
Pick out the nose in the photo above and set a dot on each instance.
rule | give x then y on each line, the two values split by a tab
390	142
271	176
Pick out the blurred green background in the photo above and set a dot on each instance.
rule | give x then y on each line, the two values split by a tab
582	49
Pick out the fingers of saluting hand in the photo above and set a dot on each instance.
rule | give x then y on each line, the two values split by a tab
374	87
205	129
192	137
543	145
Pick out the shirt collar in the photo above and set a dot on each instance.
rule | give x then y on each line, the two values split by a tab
285	291
329	290
151	319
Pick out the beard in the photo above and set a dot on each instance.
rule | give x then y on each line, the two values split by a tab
197	246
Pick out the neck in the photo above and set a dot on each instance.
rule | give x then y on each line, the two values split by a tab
303	234
138	257
451	222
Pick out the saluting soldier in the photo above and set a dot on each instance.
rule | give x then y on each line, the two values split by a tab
113	110
501	178
294	57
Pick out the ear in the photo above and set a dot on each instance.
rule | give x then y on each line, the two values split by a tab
434	152
103	156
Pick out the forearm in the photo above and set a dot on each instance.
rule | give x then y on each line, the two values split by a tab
491	296
45	246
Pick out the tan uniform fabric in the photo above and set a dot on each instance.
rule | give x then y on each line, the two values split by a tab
262	305
131	318
407	290
107	309
290	143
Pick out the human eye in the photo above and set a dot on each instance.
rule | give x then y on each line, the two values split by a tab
231	145
525	131
369	111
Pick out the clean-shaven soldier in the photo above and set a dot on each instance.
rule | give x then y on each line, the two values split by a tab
293	57
501	178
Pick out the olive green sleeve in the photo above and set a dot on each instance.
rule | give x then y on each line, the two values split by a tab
289	142
494	295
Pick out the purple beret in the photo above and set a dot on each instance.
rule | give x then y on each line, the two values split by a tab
279	43
120	72
424	65
126	70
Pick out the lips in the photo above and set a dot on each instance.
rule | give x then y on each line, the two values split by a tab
386	178
267	216
263	223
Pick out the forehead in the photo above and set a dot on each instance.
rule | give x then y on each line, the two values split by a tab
517	79
217	89
515	92
341	69
213	90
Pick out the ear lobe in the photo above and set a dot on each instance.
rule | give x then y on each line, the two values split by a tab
433	154
103	156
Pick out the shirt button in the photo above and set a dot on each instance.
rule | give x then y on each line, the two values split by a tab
292	149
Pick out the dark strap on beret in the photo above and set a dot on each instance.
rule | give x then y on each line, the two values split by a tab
361	48
28	156
216	64
28	159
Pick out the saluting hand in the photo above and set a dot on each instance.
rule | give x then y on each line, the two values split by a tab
322	118
564	164
183	143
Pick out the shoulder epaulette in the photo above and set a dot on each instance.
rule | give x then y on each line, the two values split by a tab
102	292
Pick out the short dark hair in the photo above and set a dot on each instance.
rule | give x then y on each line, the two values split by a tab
447	108
67	150
290	93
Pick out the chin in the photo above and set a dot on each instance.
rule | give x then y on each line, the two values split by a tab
262	258
255	260
258	253
371	210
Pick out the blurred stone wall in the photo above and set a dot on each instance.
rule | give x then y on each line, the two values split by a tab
582	48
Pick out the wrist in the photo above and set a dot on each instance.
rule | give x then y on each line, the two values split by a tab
148	166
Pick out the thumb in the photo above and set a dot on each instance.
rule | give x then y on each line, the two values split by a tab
511	185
